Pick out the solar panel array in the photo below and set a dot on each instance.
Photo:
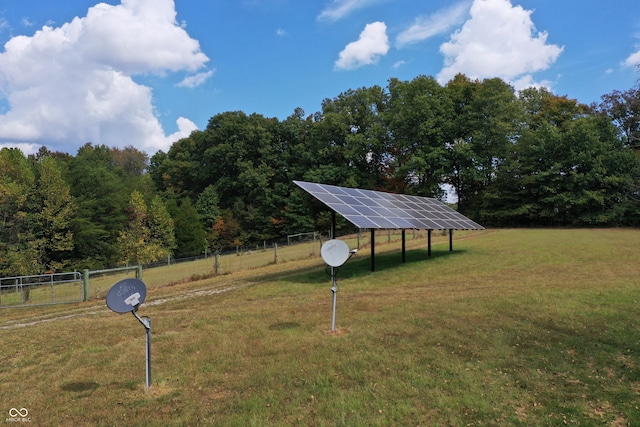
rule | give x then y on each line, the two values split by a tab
376	209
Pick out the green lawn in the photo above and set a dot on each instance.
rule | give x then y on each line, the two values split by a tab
514	327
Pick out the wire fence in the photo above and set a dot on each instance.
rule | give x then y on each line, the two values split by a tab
59	288
248	257
42	289
244	249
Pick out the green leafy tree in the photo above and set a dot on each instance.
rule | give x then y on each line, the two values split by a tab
417	119
245	152
161	229
623	109
208	207
134	240
297	157
37	208
485	122
189	232
102	180
131	161
349	140
17	182
226	232
180	171
241	157
149	235
567	168
54	209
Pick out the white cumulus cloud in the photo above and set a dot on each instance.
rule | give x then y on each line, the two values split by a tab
195	80
399	64
633	60
185	127
499	40
372	44
74	84
440	22
338	9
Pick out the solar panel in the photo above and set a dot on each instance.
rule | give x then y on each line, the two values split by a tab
376	209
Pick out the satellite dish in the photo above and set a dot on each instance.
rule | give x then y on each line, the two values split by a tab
334	252
126	295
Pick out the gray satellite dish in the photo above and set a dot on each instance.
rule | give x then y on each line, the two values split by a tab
126	295
335	252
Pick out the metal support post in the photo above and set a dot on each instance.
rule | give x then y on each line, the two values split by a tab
404	246
146	322
333	225
373	249
334	291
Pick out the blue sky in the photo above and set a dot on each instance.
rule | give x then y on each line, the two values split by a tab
147	72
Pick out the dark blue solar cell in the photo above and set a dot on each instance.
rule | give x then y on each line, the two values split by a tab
385	203
344	209
361	221
311	187
382	211
327	198
414	223
416	214
432	225
401	205
395	212
368	202
366	211
387	223
460	225
338	191
404	223
352	191
365	201
348	200
373	194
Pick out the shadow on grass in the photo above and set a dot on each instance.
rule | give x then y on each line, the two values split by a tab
360	265
88	387
282	326
83	388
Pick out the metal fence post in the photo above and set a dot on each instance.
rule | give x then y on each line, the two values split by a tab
139	272
85	281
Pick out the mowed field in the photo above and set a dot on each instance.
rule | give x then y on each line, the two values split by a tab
514	327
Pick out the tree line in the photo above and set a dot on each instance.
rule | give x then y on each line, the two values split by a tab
528	158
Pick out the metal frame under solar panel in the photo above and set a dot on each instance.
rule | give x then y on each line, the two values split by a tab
376	209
